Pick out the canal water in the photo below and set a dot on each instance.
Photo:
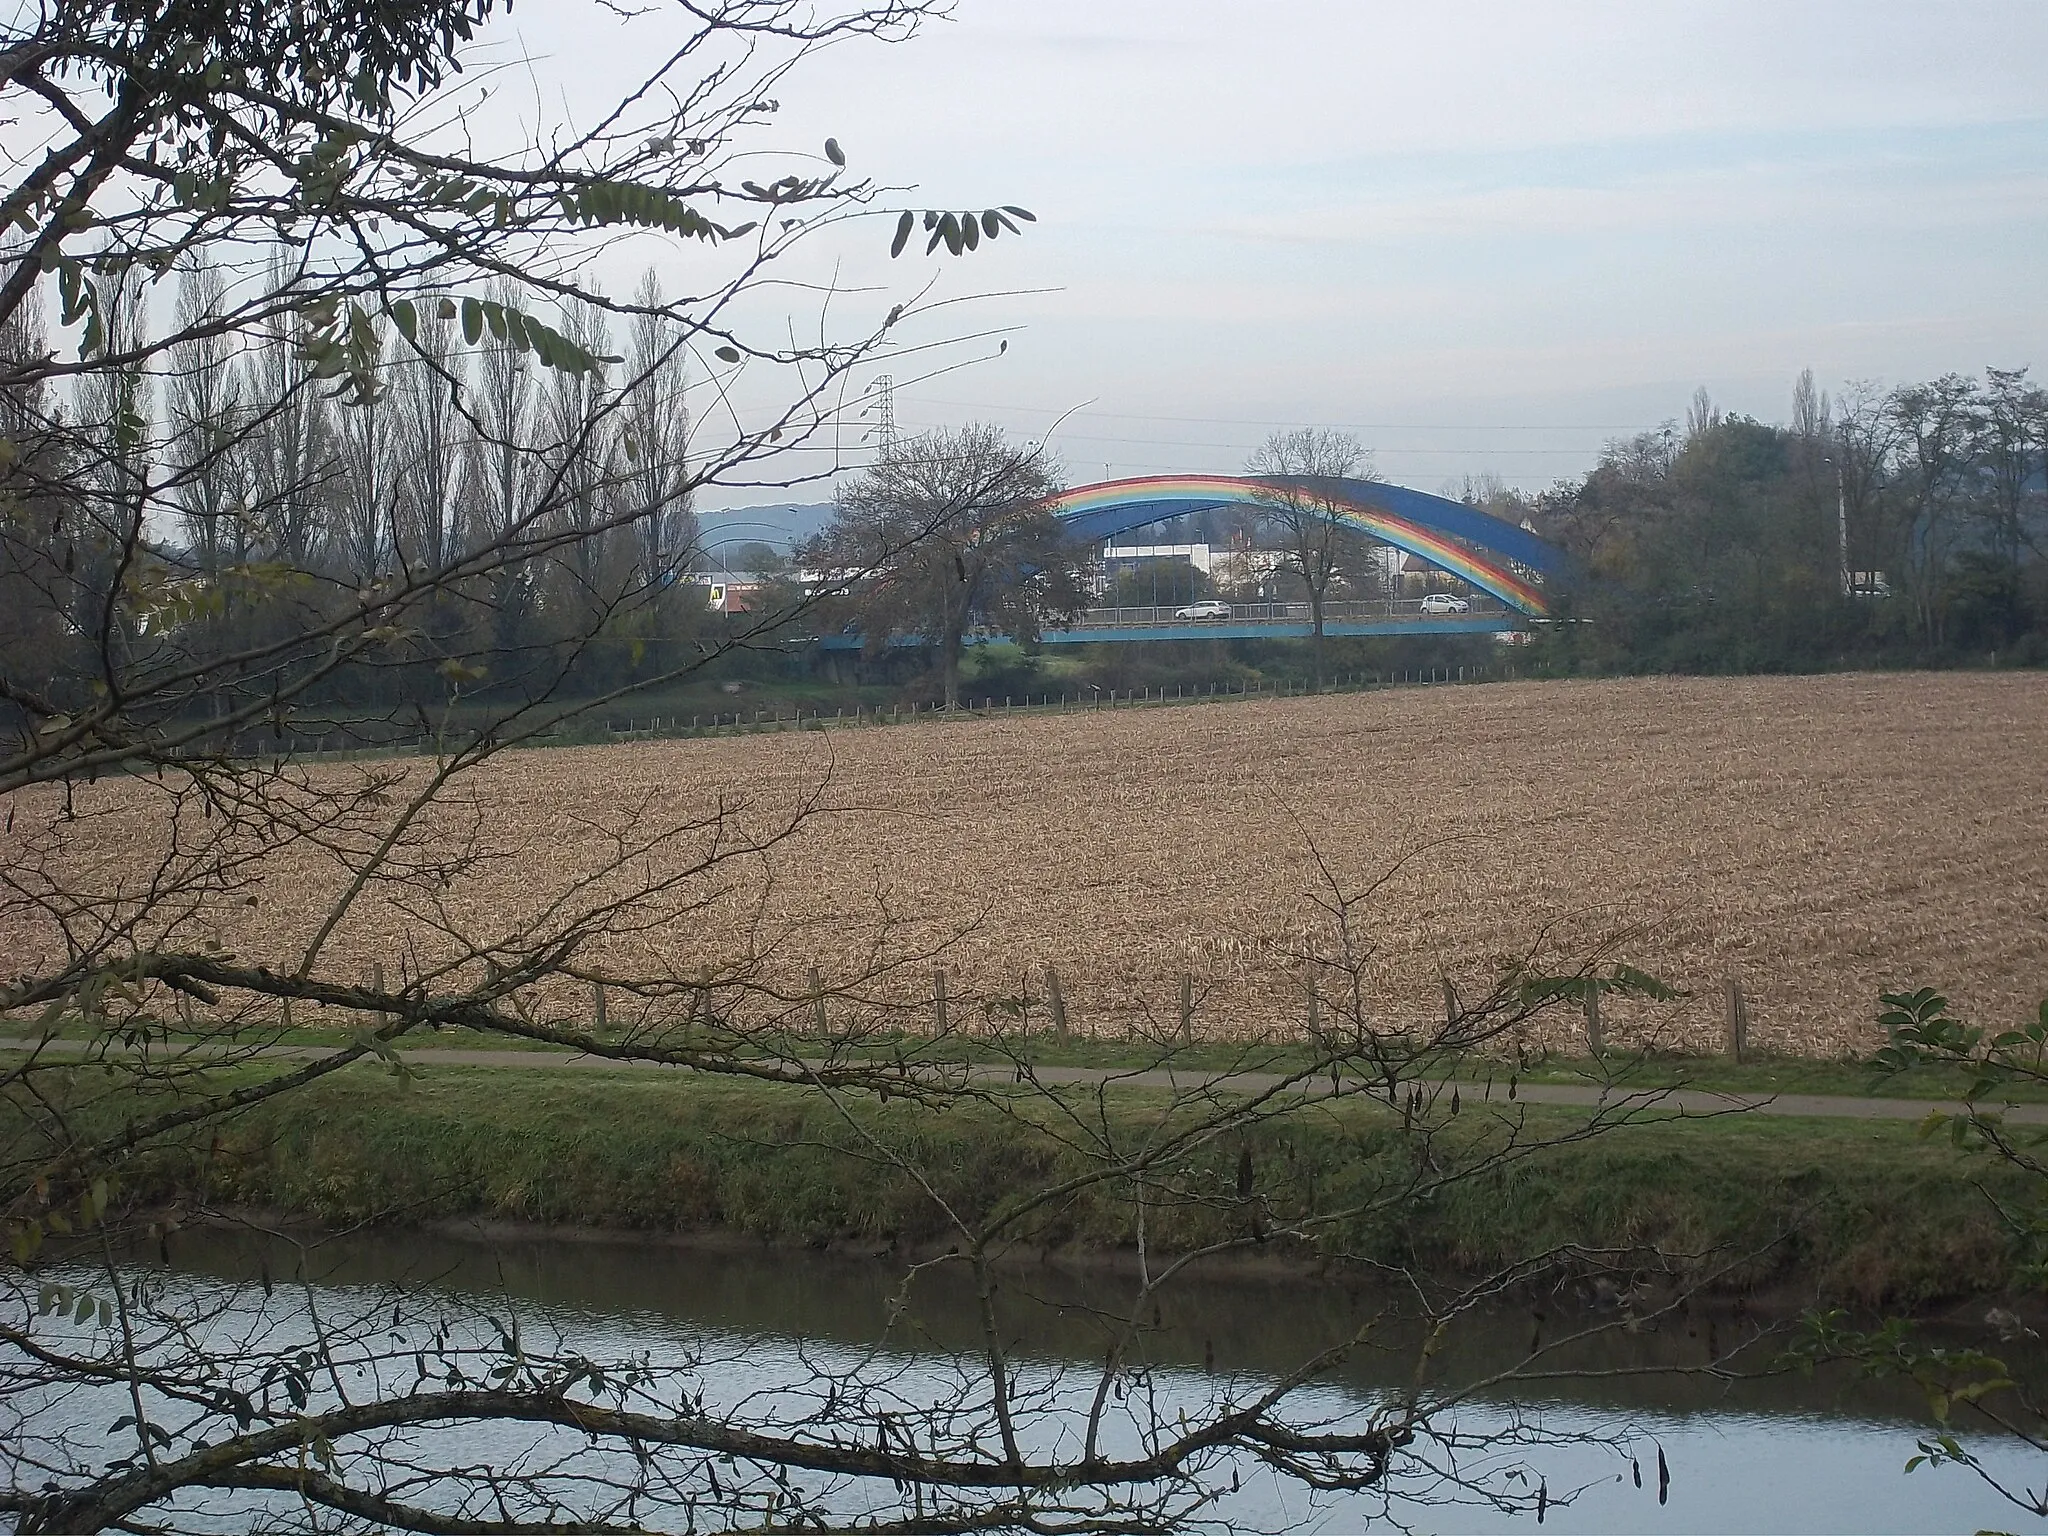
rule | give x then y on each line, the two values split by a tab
1779	1452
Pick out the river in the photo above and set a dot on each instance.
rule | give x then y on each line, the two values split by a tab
1821	1453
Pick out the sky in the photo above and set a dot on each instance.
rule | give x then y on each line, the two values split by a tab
1484	237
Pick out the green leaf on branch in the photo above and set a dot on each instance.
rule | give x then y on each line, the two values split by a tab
362	333
958	232
1534	988
508	326
1627	981
642	207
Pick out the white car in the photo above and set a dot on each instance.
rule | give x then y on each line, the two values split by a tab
1443	602
1208	608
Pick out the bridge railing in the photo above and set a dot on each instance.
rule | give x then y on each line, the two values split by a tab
1350	611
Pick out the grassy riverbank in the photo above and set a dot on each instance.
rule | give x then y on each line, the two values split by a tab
1844	1210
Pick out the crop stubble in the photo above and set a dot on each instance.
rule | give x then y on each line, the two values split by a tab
1824	837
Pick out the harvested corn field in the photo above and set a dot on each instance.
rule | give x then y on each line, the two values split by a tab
1823	838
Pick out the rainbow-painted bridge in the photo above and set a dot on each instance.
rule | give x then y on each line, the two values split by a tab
1507	563
1475	546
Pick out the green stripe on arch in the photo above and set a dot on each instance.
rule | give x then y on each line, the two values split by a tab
1117	505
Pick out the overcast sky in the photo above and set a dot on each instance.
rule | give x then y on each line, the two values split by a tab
1486	236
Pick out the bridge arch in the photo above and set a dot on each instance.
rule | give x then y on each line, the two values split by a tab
1472	545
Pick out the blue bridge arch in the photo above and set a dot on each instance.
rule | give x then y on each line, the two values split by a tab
1491	553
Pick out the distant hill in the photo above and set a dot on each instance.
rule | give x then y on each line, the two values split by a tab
779	526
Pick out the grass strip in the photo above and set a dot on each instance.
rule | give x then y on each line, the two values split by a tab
1848	1211
1761	1076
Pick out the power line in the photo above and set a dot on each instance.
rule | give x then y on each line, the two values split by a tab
1155	442
1350	426
1167	442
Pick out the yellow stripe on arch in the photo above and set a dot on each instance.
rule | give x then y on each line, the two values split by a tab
1445	553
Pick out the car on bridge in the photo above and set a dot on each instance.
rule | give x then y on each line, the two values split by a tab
1444	602
1208	608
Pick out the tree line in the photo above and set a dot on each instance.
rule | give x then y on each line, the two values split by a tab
1900	525
219	486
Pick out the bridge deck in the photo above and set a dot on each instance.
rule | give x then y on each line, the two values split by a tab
1254	629
1252	621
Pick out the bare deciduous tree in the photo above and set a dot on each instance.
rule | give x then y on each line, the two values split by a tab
205	427
428	447
1302	507
946	532
654	432
292	467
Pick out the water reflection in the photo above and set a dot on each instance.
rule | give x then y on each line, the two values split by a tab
1767	1453
1052	1310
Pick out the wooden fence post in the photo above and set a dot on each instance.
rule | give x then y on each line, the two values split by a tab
1596	1038
817	986
1187	1008
1056	1001
939	998
1738	1018
597	1009
1315	1009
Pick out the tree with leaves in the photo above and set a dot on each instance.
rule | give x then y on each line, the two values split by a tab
1723	547
1985	1393
2012	447
1935	424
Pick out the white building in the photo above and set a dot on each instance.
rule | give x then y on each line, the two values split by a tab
1118	560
